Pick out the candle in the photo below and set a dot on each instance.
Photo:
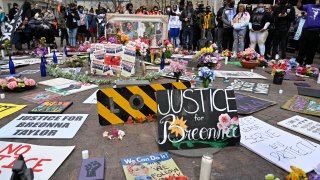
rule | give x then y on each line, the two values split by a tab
318	79
2	53
2	96
85	154
49	50
280	91
226	60
263	67
277	57
252	70
87	72
206	165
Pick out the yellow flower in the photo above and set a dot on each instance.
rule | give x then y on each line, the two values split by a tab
273	72
210	50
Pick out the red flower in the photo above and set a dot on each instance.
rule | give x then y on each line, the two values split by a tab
150	118
140	120
130	120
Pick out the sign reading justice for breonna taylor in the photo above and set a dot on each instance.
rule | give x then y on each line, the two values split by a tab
197	118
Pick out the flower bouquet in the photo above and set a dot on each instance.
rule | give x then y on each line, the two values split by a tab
167	49
307	71
74	62
42	50
296	173
278	70
178	68
249	58
84	48
208	57
226	53
16	84
206	75
124	38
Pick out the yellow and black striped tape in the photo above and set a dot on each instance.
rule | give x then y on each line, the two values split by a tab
116	105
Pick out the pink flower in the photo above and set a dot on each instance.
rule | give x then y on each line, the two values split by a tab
218	66
224	119
235	120
11	85
10	79
220	126
2	81
29	82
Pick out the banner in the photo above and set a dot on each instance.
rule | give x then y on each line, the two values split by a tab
277	146
197	118
44	160
116	105
46	126
7	109
257	88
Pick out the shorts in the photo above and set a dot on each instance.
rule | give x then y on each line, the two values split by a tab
82	29
174	32
93	30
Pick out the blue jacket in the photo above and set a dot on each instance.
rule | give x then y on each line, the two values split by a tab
91	21
2	17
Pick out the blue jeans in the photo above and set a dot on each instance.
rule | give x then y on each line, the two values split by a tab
187	34
72	33
238	40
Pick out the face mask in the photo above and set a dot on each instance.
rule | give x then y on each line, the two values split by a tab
232	5
81	11
261	10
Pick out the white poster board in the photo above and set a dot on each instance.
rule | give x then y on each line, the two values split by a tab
44	160
277	146
44	126
71	88
56	82
92	99
302	125
238	74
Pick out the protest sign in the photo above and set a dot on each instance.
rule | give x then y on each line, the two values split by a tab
305	91
50	126
127	68
92	169
238	74
56	82
29	72
41	96
72	88
303	104
197	118
302	125
99	68
156	166
50	108
91	99
257	88
7	109
277	146
44	160
249	104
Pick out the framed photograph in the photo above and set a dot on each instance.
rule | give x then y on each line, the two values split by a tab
153	27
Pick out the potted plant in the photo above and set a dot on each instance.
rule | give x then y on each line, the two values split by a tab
249	58
206	75
226	54
208	57
278	70
13	84
178	68
307	71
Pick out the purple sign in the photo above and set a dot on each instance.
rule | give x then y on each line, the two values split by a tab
249	104
92	169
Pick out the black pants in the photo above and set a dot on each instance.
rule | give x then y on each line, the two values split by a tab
227	41
307	46
196	37
64	35
279	37
269	42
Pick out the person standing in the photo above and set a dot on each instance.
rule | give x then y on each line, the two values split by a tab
269	41
207	23
82	28
258	26
187	17
228	13
309	39
2	21
13	11
49	16
92	25
72	17
174	25
240	23
219	29
62	26
283	16
129	9
36	10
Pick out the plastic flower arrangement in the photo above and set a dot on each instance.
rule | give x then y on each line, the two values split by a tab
250	55
177	67
83	48
296	174
310	71
226	53
41	50
12	83
206	75
124	38
271	177
167	49
112	40
208	57
141	48
278	68
7	46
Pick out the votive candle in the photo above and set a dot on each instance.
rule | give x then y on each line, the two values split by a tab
85	154
206	166
2	96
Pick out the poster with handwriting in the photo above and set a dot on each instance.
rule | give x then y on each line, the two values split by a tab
41	96
304	105
45	126
197	118
249	104
44	160
257	88
302	125
278	146
50	108
7	109
71	88
156	166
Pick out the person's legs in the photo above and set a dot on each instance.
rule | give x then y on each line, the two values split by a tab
235	41
242	35
269	43
225	39
312	40
191	38
230	35
219	38
262	37
275	44
303	47
184	38
253	39
283	43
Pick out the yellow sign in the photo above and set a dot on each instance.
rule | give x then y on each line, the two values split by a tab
116	105
7	109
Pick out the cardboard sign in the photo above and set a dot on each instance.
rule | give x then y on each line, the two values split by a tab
304	105
249	104
98	67
238	74
302	125
48	126
51	108
91	99
116	105
277	146
197	118
127	69
92	169
156	166
257	88
41	96
309	92
129	54
56	82
302	84
44	160
29	72
7	109
67	89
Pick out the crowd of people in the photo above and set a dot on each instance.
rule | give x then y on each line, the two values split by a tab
265	28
